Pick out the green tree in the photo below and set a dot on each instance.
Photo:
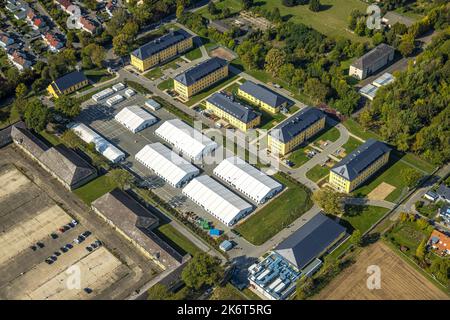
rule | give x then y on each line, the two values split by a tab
121	177
314	5
70	139
159	292
180	11
316	90
247	4
212	8
421	250
304	288
356	238
36	115
121	45
330	201
406	46
95	53
201	270
275	58
411	176
21	90
67	106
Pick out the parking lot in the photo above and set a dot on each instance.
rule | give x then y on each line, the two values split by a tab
40	241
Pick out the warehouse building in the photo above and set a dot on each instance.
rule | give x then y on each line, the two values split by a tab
136	223
161	49
61	162
289	134
104	147
167	164
217	200
238	115
275	276
67	84
248	180
359	165
200	77
115	100
189	141
135	119
372	61
152	105
102	94
262	97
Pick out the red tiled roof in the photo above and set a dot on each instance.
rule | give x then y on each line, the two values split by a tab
442	244
64	3
51	39
87	24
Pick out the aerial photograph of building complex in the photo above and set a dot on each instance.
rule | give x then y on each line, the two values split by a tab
201	150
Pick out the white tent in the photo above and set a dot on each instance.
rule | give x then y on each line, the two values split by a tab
167	164
217	200
186	139
255	184
134	118
107	149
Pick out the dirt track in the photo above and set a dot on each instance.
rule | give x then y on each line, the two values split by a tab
399	280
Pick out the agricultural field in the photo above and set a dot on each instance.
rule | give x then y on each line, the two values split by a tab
399	280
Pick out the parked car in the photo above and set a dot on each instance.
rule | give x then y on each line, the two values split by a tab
87	290
40	245
98	243
69	246
71	225
86	234
75	222
34	248
62	230
48	261
88	248
64	249
54	236
57	253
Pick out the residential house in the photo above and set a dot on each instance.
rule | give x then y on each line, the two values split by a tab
440	243
53	41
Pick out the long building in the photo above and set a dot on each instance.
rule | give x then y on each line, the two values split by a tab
359	165
189	141
200	77
103	146
135	119
161	49
136	223
275	276
217	200
68	83
61	162
262	97
248	180
167	164
295	130
372	61
238	115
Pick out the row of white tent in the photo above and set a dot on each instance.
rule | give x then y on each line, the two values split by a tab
135	118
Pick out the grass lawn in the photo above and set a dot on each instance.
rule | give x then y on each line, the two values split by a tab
317	172
298	157
95	189
391	174
227	292
177	239
331	20
54	140
208	91
417	162
166	84
232	89
362	217
278	213
194	54
234	6
250	294
270	120
355	128
329	134
407	234
172	64
154	73
98	75
351	145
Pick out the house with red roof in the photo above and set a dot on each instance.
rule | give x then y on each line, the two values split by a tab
440	243
53	42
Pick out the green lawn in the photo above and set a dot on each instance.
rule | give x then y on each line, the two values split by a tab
298	157
407	234
351	145
391	174
355	128
415	161
7	117
329	134
154	73
232	89
166	84
194	54
97	76
317	172
208	91
234	6
270	120
95	189
278	213
179	240
362	217
331	20
227	292
54	140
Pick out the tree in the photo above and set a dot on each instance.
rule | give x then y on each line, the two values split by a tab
314	5
330	201
212	9
70	139
121	45
406	46
410	176
180	11
275	58
121	177
21	90
366	118
304	288
201	270
159	292
316	90
356	238
440	268
247	4
67	106
36	115
421	250
95	53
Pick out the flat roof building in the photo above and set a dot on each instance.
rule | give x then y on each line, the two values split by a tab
189	141
201	76
372	61
217	200
295	130
167	164
61	162
135	119
359	165
262	96
68	84
135	223
248	180
238	115
104	147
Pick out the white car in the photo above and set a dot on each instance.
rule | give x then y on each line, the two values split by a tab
75	222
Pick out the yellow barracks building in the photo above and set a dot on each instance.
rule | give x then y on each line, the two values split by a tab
201	76
161	49
238	115
359	165
262	97
67	84
295	130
